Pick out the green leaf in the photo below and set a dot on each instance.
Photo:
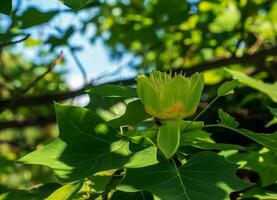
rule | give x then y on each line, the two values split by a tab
264	139
273	111
267	88
150	133
66	192
274	120
187	126
227	88
41	192
101	180
6	7
114	91
205	176
33	17
133	115
271	122
87	144
227	119
201	139
18	195
168	139
77	4
259	193
263	162
226	19
119	195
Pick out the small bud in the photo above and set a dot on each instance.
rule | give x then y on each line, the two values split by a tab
167	97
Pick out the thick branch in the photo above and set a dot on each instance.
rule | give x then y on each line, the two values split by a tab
20	94
39	121
246	59
47	99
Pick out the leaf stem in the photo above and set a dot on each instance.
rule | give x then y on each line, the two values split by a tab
204	110
222	126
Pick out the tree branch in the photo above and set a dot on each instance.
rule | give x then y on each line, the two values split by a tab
39	121
5	44
78	63
23	91
49	98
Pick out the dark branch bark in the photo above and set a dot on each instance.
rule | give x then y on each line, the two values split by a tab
47	99
246	59
5	44
39	121
20	94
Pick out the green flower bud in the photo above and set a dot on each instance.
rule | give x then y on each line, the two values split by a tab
167	97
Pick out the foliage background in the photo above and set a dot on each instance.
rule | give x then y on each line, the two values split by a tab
138	36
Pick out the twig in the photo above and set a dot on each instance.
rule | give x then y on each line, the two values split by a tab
5	44
46	99
34	82
79	64
22	92
114	179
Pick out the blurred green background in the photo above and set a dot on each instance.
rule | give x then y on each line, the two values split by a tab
112	41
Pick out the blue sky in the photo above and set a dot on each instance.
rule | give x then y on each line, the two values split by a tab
94	57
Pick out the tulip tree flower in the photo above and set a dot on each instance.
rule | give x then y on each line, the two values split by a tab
166	97
170	99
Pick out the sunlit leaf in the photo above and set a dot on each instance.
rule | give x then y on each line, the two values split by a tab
259	193
87	145
201	139
66	192
267	88
227	88
114	91
227	119
263	162
168	139
133	115
205	176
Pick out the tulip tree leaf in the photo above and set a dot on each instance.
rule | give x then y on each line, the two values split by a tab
227	119
227	88
274	120
273	111
133	115
87	144
67	191
41	192
267	88
119	195
77	4
33	17
205	176
114	91
259	193
187	126
17	194
265	139
201	139
6	7
168	139
263	162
